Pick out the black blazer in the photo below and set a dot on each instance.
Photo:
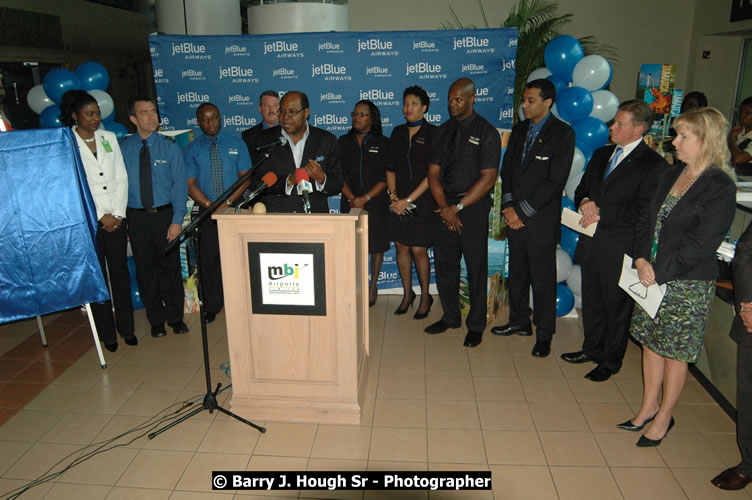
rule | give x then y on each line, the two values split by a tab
251	138
621	199
741	268
534	189
320	146
692	231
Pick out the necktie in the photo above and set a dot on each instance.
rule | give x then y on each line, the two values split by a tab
215	161
529	140
613	162
144	175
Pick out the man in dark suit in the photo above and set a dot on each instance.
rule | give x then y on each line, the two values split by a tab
307	147
614	191
533	174
740	476
269	109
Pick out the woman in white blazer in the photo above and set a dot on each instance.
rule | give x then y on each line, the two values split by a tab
108	183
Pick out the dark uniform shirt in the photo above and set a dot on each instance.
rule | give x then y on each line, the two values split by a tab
363	165
462	149
409	157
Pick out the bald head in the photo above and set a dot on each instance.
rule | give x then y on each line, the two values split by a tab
461	98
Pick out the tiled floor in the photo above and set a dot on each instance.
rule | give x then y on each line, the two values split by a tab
541	429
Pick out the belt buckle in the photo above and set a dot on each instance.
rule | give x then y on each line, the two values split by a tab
151	210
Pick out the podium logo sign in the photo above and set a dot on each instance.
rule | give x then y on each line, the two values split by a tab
287	278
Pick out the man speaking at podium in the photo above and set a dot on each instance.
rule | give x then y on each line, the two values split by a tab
312	149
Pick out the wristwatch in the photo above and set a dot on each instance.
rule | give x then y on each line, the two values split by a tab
459	206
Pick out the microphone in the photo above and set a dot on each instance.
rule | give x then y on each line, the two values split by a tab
268	180
281	141
304	187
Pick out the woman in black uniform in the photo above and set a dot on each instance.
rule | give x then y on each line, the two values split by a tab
364	157
412	229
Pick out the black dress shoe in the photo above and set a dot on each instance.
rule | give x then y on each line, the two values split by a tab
179	327
400	311
731	479
438	327
132	340
576	357
424	314
111	347
629	426
158	331
210	317
644	442
472	339
542	348
510	329
598	374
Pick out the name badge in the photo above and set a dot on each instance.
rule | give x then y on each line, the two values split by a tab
474	140
106	146
373	149
420	140
232	151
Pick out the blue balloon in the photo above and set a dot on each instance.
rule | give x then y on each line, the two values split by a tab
50	117
561	56
93	76
132	269
58	81
118	129
564	300
569	240
574	104
559	83
136	296
590	134
567	203
588	155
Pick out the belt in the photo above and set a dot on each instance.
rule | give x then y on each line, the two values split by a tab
153	210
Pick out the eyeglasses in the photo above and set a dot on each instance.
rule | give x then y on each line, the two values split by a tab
289	112
362	115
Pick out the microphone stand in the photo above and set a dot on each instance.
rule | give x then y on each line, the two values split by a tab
192	231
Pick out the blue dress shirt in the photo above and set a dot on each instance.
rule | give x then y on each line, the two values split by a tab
235	160
168	176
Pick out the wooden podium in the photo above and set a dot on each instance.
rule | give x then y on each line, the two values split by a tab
298	348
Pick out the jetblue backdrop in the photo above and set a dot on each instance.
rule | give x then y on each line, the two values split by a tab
335	70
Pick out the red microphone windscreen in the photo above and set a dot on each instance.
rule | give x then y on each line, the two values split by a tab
269	178
301	174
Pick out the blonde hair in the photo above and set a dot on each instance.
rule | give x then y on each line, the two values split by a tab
712	128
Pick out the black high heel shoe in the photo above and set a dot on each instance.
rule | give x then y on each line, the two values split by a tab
400	311
645	442
424	314
629	426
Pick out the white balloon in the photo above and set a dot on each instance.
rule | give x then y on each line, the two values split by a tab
577	301
571	185
578	163
37	99
574	280
563	265
591	72
605	105
106	104
538	74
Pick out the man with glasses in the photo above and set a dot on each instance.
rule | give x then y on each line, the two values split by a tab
307	147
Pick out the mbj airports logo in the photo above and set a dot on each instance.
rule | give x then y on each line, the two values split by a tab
377	47
190	50
285	271
426	71
284	74
330	72
282	49
237	50
378	72
473	45
193	99
238	74
425	46
332	98
331	48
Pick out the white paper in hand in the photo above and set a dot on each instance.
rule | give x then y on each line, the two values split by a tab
571	219
649	298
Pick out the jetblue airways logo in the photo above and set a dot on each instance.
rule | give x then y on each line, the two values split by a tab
238	121
282	49
474	68
236	50
330	47
505	65
377	47
378	71
285	73
331	97
192	74
193	98
506	114
473	45
425	46
427	71
191	50
238	74
482	94
330	71
331	121
379	97
239	99
433	117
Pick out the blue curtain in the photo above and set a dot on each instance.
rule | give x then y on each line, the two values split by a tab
48	255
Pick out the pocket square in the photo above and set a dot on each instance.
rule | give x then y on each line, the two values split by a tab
319	159
541	158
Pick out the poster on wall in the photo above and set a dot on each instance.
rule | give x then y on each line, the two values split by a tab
657	87
741	10
287	278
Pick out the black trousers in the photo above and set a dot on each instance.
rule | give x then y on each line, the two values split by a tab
606	313
744	405
113	256
211	269
532	263
449	248
158	274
